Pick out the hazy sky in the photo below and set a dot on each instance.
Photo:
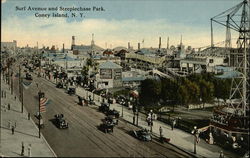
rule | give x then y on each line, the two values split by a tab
122	21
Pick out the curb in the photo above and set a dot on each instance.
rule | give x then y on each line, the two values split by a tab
41	135
44	139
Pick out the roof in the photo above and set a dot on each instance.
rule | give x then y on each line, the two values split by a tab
109	65
127	79
87	47
224	68
65	58
230	74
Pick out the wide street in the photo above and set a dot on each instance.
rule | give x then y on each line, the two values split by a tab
83	138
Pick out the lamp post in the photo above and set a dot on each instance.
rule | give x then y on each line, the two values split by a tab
123	102
151	120
195	132
137	110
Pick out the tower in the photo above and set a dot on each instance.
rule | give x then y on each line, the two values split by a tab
92	41
159	42
237	109
73	43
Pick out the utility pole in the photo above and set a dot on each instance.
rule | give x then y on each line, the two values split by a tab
39	116
22	93
137	114
11	81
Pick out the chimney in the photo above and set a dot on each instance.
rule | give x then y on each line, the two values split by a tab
159	42
168	43
139	47
128	45
63	47
73	42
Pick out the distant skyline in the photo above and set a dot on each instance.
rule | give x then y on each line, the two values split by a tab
120	23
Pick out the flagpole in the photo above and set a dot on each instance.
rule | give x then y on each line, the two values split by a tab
22	93
39	116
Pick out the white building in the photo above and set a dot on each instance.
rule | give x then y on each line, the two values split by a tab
198	62
109	76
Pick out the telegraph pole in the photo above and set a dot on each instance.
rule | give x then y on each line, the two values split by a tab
39	116
22	93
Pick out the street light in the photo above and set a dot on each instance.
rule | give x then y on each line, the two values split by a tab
196	133
151	120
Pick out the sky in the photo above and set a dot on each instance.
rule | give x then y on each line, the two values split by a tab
120	22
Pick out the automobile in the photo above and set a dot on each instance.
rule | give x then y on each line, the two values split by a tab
104	107
28	76
111	119
60	121
71	91
143	135
59	85
114	113
107	127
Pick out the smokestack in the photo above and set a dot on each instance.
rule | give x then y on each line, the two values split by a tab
159	42
73	42
139	47
63	47
181	40
128	45
168	43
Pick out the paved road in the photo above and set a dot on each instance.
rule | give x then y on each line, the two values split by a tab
83	139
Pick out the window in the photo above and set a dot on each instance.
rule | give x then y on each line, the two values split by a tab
106	74
211	60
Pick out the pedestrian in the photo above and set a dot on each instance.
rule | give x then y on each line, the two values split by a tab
160	130
13	130
15	97
29	150
28	116
8	106
221	154
9	123
22	151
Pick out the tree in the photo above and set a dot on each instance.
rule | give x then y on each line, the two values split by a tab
222	88
150	91
169	91
193	90
183	95
206	91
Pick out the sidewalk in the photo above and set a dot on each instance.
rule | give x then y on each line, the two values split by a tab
26	131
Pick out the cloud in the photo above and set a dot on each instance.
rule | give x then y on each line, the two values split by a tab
3	1
56	31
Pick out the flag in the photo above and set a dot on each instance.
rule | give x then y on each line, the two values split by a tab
26	84
43	102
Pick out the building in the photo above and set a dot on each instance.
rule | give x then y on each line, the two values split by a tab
109	75
9	46
131	79
203	61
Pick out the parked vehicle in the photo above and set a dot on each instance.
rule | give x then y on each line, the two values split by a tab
104	107
60	121
71	91
59	85
143	135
